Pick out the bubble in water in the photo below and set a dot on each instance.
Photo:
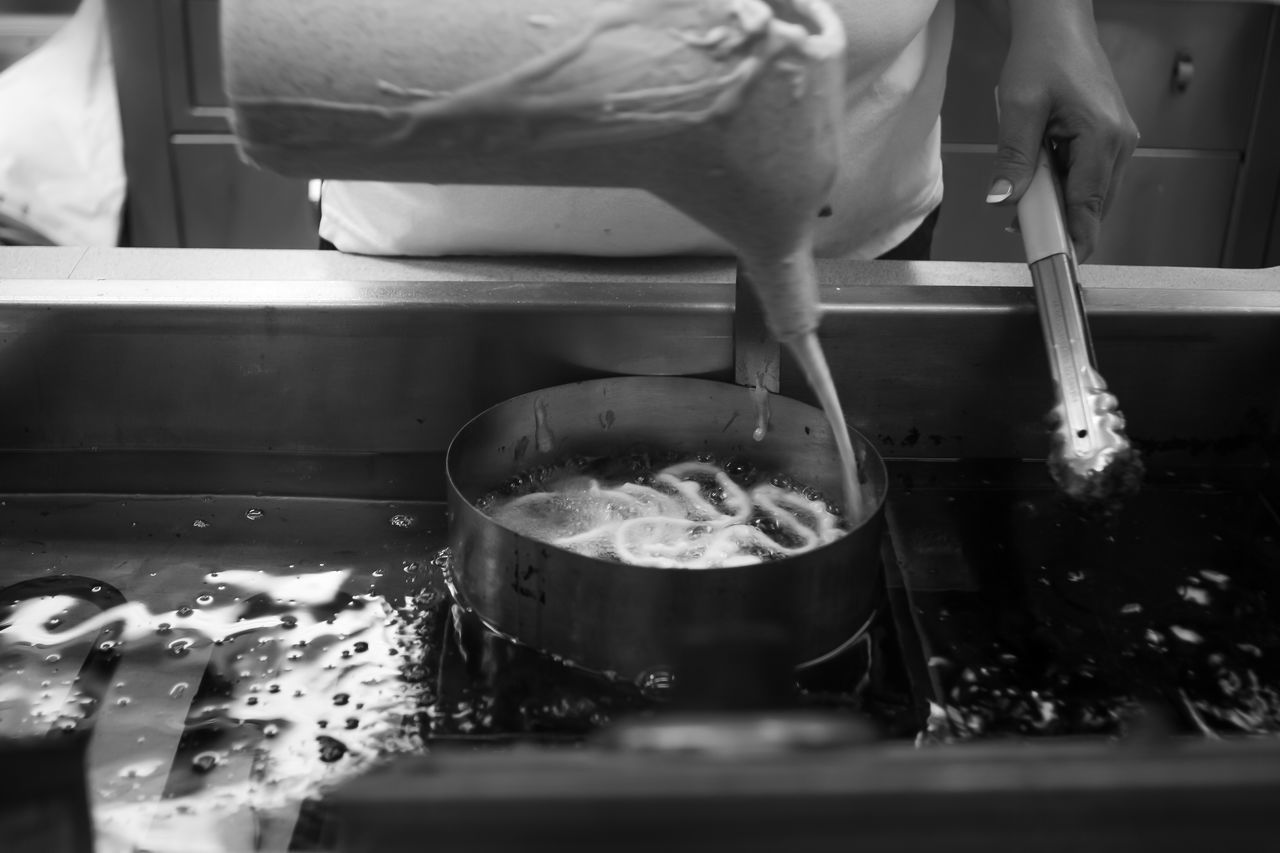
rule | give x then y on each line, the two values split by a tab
377	573
253	514
164	628
53	658
204	762
204	600
331	749
402	520
199	522
657	682
96	589
410	567
136	771
107	645
123	701
179	690
270	730
181	646
185	610
341	699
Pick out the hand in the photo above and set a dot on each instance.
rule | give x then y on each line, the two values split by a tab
1057	85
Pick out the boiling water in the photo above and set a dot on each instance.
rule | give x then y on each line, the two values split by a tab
689	514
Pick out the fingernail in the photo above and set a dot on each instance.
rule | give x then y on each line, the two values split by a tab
1000	190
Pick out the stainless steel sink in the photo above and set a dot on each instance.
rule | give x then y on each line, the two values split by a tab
145	392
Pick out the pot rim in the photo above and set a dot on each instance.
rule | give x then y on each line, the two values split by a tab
872	516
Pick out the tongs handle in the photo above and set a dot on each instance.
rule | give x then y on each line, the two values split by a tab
1052	258
1042	219
1089	425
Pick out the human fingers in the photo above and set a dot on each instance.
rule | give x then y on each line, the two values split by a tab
1023	117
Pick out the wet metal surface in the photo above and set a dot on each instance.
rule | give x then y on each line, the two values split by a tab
178	749
1038	620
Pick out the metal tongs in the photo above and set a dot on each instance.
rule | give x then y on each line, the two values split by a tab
1091	458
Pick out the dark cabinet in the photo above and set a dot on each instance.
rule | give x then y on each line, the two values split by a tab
1200	190
188	186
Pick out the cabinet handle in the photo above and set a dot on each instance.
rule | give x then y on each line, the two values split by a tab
1184	70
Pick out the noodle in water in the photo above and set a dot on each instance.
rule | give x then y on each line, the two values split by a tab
689	515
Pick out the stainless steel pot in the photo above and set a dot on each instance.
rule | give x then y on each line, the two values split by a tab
629	620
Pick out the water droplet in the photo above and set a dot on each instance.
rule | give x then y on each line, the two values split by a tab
352	723
204	600
135	771
185	610
656	682
164	628
270	730
341	699
253	514
331	749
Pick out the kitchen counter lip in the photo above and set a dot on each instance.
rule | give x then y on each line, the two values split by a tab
603	299
301	276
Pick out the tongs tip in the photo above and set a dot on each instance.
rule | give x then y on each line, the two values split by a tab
1099	480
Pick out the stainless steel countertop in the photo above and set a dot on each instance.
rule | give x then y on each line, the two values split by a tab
209	265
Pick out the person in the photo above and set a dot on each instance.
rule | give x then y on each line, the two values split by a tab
1056	84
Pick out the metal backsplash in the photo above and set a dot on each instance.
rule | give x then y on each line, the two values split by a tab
355	388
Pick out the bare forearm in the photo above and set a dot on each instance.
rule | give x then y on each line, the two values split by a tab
1029	17
1057	83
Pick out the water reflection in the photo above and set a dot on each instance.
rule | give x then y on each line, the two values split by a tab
299	686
